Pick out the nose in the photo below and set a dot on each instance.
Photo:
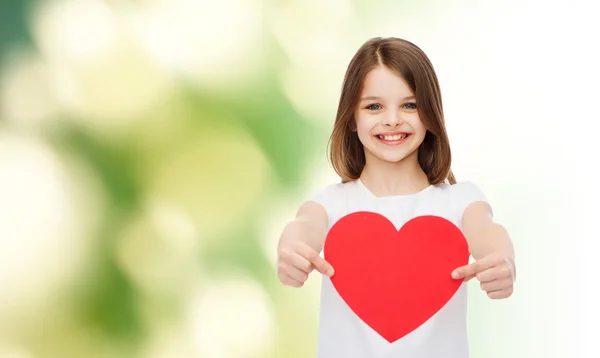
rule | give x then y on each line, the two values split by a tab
392	119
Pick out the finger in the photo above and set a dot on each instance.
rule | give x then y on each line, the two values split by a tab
466	271
476	267
511	268
296	274
301	263
316	260
288	281
469	278
284	255
494	273
496	285
496	295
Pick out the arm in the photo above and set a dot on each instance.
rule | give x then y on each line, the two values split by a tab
486	237
300	244
309	226
492	249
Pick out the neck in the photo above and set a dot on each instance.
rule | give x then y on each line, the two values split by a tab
401	178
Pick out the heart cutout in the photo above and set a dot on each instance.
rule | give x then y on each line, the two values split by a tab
395	280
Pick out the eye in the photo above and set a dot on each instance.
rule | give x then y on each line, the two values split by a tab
373	107
410	105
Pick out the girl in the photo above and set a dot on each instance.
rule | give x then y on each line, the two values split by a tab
390	148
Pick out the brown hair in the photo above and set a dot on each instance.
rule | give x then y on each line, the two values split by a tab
410	62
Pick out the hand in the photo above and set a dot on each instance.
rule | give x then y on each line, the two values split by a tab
296	260
495	273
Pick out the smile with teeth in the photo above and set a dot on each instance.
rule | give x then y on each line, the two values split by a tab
392	137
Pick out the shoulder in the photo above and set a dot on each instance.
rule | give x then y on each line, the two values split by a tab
460	189
464	194
466	188
461	194
333	197
331	193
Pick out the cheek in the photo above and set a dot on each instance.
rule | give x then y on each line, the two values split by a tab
418	127
363	135
363	127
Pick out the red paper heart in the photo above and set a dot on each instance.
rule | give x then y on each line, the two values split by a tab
395	280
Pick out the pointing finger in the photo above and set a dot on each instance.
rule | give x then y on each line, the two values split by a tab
475	267
316	260
466	271
494	273
469	278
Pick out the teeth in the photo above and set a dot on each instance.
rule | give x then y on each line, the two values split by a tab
393	137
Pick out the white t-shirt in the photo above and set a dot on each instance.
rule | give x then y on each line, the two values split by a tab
341	333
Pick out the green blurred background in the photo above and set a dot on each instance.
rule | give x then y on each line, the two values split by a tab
151	151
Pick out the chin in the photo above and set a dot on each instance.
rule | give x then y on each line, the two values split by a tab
392	154
395	159
391	158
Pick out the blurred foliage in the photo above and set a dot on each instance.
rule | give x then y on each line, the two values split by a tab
152	150
109	305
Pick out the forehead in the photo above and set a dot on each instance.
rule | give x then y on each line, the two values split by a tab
383	82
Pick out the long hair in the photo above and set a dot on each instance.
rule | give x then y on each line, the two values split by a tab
410	62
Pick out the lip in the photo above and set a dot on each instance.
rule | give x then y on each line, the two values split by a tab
392	142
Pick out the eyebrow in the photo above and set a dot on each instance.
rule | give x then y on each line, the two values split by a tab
374	98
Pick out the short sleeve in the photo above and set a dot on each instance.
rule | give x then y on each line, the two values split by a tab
464	194
329	198
322	196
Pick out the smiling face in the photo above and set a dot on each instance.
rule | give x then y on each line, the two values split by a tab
390	70
387	121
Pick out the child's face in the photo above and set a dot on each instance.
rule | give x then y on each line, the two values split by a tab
387	121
